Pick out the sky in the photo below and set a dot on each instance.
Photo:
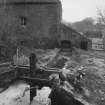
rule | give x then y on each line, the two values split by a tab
76	10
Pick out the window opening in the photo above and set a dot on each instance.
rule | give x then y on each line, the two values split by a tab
23	21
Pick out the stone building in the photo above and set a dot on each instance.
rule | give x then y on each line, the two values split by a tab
30	22
77	39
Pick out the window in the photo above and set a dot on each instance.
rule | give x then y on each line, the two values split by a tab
23	21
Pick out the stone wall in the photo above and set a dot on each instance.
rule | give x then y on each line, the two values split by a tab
68	33
30	21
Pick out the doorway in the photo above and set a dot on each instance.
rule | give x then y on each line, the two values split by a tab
84	45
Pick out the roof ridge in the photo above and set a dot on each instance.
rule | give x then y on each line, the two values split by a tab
6	1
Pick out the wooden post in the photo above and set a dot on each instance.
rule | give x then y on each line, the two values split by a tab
33	61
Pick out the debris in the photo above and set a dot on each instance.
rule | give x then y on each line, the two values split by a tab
83	77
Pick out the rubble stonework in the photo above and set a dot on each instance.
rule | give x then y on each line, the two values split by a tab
30	20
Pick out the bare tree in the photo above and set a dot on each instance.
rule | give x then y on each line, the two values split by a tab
101	16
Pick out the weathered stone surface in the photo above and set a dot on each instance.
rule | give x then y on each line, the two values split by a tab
30	21
16	95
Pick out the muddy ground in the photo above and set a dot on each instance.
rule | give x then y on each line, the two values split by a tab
89	88
84	70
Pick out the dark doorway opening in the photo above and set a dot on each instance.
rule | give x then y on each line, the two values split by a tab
84	45
66	44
